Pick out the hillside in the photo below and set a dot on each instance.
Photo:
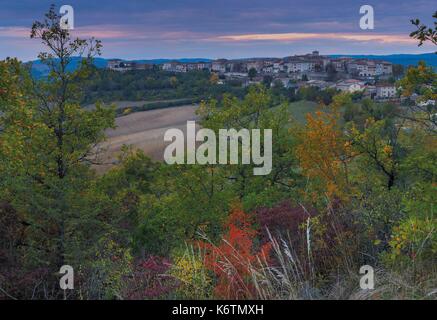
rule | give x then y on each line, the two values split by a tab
402	59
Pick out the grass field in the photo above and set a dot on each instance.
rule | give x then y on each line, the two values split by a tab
299	109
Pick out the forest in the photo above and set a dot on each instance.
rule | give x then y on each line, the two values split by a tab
108	85
353	185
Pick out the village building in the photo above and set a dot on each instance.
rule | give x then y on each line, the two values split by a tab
383	68
121	65
170	66
198	66
257	65
219	66
114	64
310	68
320	84
370	92
385	91
350	85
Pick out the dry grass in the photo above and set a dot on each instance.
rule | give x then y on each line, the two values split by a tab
289	279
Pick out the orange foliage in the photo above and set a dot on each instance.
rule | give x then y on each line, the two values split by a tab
233	259
324	153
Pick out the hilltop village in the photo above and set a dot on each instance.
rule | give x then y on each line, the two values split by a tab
373	77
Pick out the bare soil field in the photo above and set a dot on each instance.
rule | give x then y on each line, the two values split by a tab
144	130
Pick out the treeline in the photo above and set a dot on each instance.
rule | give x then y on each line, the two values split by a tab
153	85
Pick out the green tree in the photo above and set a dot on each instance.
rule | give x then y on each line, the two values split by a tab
424	33
421	81
252	73
47	177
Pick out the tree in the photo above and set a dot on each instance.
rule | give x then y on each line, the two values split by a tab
255	111
424	33
421	81
51	187
398	70
380	146
267	80
324	153
214	79
174	81
252	73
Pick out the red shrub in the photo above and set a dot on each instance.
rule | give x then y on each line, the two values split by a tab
282	219
231	261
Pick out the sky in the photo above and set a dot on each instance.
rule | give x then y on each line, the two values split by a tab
213	29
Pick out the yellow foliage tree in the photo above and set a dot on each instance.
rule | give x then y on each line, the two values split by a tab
214	79
324	152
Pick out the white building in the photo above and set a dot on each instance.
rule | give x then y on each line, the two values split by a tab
114	64
257	65
198	66
120	65
350	85
169	66
318	84
385	91
278	67
383	68
219	66
300	66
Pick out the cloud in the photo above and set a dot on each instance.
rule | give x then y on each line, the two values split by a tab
14	32
112	32
290	37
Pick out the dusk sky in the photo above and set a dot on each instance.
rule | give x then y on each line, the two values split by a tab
222	28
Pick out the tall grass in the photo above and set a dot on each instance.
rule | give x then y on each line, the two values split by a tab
285	276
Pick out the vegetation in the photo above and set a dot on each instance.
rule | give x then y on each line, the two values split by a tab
424	33
353	184
153	85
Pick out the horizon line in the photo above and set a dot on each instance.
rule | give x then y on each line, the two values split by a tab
253	57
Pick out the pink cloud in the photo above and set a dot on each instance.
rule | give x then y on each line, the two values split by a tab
360	37
14	32
112	32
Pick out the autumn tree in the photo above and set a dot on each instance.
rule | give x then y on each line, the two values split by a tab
214	79
324	152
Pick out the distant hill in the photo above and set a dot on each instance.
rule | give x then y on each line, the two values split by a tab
40	70
403	59
183	60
